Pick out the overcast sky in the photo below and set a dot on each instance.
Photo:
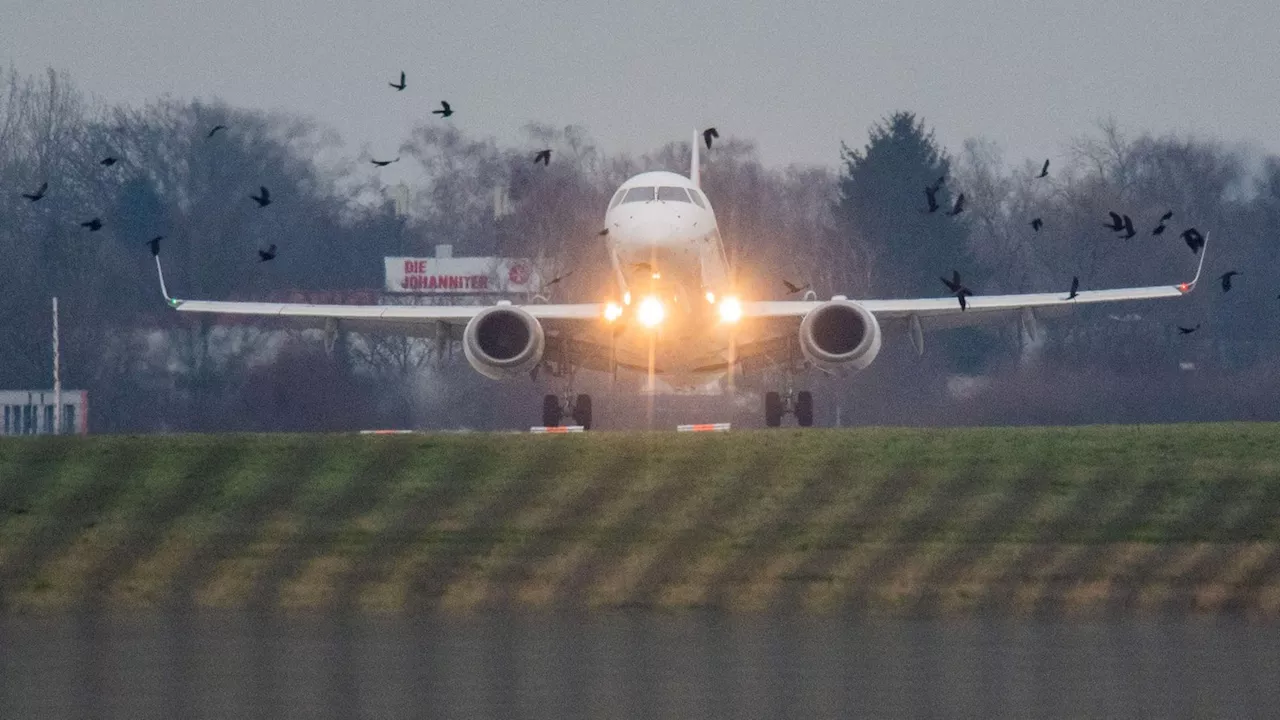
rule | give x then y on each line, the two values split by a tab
796	76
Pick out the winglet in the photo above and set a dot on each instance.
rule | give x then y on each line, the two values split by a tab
163	290
1204	250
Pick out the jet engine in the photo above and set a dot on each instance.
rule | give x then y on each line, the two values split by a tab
503	342
840	335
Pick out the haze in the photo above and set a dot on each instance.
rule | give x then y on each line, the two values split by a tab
798	77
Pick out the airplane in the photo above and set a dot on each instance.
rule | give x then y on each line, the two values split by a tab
675	313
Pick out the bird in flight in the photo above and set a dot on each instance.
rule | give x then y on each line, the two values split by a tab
35	196
384	163
444	111
603	232
154	243
1194	239
1036	224
401	86
708	135
1159	230
939	183
215	130
963	293
108	161
931	194
1226	279
1044	171
268	254
792	288
1165	217
265	198
1128	228
1117	223
557	279
543	156
959	206
1075	287
954	283
1188	330
94	225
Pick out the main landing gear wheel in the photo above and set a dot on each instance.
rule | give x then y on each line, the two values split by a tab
582	411
773	410
804	408
551	412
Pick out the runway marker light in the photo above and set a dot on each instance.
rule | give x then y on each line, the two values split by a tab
650	312
730	309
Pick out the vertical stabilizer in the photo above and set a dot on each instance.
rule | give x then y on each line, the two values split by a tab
695	170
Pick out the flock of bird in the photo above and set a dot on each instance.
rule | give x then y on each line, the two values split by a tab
1119	222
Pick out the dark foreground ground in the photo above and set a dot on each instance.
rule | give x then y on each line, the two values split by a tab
632	664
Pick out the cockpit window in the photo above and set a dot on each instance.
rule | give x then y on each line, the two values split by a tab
697	198
673	194
638	194
617	198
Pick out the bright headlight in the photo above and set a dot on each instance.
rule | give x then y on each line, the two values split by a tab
650	312
730	310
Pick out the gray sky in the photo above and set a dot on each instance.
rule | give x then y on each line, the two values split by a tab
796	76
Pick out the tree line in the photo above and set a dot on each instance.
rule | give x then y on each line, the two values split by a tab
860	229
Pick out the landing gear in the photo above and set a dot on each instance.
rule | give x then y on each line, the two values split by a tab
554	411
799	404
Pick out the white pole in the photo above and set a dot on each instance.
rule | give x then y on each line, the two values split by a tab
57	378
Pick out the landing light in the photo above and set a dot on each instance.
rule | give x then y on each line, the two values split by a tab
650	312
711	297
730	309
612	311
626	298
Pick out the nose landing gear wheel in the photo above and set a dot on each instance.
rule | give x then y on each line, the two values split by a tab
582	411
551	412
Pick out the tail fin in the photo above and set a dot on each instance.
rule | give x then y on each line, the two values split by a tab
695	169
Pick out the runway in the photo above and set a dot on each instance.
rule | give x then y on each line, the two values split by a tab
631	664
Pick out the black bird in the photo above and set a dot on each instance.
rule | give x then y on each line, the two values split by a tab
268	254
1194	239
444	111
155	244
1188	330
265	198
961	295
603	232
1036	224
108	161
1226	279
557	279
1117	224
931	194
1166	216
1128	229
959	206
33	197
401	85
1075	287
1159	229
384	163
94	225
792	288
941	180
1044	170
708	135
543	156
954	283
215	130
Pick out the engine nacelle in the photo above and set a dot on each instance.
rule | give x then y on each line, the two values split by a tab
840	335
503	342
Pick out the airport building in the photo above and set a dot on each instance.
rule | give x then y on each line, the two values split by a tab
31	412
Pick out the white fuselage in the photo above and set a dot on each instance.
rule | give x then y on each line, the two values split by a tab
665	247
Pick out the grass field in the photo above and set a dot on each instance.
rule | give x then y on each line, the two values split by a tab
1088	520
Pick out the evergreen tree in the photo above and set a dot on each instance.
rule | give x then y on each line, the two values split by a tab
883	204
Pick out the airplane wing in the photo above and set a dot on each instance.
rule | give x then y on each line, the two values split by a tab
410	320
